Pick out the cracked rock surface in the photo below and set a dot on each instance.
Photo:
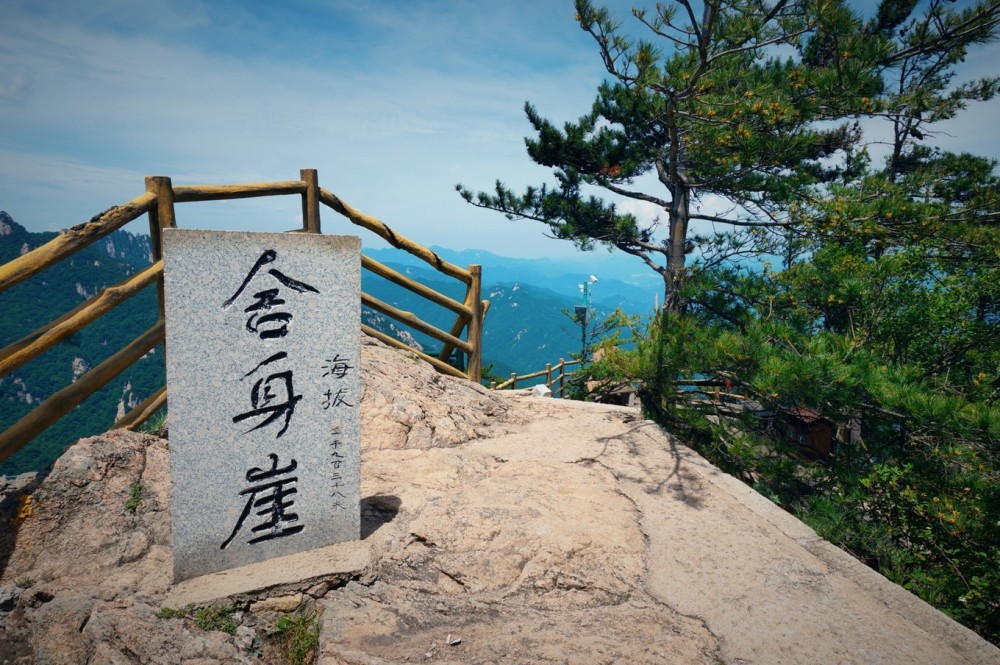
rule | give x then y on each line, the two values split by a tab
501	529
406	404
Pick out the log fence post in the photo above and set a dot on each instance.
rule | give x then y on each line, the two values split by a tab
474	301
310	201
162	216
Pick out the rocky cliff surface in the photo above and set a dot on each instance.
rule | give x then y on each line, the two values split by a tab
496	528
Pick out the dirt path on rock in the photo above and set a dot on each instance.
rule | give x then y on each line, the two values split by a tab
590	536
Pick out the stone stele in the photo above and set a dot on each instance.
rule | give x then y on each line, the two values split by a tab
263	356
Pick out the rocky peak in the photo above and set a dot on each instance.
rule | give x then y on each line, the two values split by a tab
8	226
496	527
80	367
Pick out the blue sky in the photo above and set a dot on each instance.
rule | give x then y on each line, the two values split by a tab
392	101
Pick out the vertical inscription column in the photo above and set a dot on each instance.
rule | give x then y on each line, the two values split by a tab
264	339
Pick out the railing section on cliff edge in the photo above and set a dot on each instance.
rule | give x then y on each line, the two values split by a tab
553	375
158	202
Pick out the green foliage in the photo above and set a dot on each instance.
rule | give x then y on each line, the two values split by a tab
213	617
713	111
757	103
156	424
216	617
490	375
36	302
134	499
297	637
885	320
891	322
917	496
925	521
169	613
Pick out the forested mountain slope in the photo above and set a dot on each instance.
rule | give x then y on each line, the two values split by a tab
47	296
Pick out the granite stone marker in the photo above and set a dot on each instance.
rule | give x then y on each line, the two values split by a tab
263	356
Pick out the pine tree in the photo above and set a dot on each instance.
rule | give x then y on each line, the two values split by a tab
735	102
754	102
886	316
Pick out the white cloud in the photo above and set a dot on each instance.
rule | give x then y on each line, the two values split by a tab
108	108
392	103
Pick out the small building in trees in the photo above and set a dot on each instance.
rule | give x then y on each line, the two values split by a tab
810	431
622	394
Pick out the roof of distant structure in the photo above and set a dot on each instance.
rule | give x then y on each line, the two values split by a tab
807	416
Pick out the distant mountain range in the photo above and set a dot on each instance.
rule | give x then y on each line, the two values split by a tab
525	326
623	281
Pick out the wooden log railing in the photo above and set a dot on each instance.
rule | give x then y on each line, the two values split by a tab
159	202
553	375
65	400
73	240
33	345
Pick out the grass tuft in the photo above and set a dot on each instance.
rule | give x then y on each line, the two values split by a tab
297	637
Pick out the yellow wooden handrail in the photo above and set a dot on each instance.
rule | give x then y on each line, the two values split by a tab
62	402
73	240
396	240
158	202
250	190
49	335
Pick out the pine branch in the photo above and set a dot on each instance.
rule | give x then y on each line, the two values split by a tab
639	196
948	39
746	223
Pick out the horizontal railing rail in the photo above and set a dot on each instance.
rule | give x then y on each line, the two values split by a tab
470	313
183	194
43	339
73	240
388	273
158	202
439	364
396	240
415	322
65	400
559	372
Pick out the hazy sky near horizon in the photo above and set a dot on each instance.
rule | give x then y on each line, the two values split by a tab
392	101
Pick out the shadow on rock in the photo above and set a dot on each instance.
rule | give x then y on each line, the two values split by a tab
377	510
15	507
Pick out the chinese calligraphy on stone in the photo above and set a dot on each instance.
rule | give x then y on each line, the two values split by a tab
267	392
263	353
266	396
273	498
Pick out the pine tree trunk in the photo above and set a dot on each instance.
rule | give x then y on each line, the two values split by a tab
676	256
